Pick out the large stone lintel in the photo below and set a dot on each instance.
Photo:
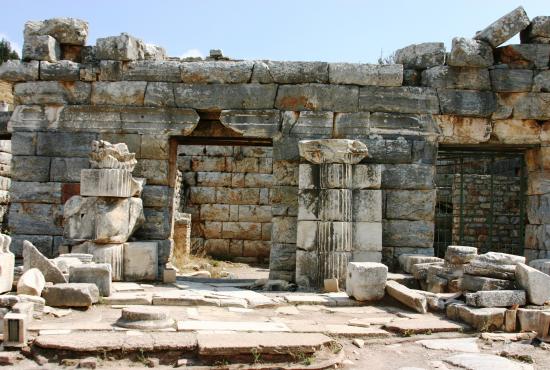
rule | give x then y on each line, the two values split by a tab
333	151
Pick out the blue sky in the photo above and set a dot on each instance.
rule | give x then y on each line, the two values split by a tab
345	30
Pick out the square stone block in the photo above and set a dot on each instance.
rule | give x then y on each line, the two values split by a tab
367	205
367	236
140	261
308	176
98	273
308	204
306	237
366	256
106	183
367	176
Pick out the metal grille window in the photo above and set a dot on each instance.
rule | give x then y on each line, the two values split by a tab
480	201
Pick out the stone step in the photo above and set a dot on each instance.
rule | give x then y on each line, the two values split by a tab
423	326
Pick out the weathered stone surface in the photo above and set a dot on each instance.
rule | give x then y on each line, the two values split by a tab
420	56
537	237
367	205
504	28
333	151
144	318
52	92
466	102
7	264
365	281
407	296
420	270
64	263
526	56
221	96
484	361
491	270
542	265
118	93
161	71
123	47
106	182
70	31
538	30
317	97
415	205
511	80
515	131
217	72
365	74
496	298
410	176
401	233
256	123
35	219
297	72
112	254
93	273
41	48
470	53
500	258
35	192
458	254
32	258
407	261
464	130
541	82
350	125
535	282
17	71
64	70
140	261
523	106
31	282
71	295
406	99
447	77
481	319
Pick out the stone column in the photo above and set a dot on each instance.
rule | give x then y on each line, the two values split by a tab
328	236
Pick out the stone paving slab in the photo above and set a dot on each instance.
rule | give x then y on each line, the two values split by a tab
246	326
429	325
455	345
480	361
338	330
129	298
265	343
119	286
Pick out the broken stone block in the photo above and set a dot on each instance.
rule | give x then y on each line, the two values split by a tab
44	48
481	319
536	283
529	319
112	254
94	273
32	282
500	258
140	261
538	31
105	155
458	254
511	80
542	265
7	264
365	281
71	295
504	28
491	270
476	283
123	47
63	70
18	71
496	298
333	151
420	270
407	296
106	183
467	52
446	77
32	258
65	263
407	261
523	56
365	74
404	99
467	102
421	56
70	31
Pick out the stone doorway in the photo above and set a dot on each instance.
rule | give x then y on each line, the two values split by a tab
481	200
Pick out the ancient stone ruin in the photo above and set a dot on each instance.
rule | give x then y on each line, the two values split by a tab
424	183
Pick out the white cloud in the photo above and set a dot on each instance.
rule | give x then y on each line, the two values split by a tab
14	45
192	53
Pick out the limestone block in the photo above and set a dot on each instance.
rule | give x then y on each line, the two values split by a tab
284	230
307	124
408	297
333	151
365	74
523	56
31	282
541	81
157	120
308	205
216	72
496	298
447	77
335	205
257	123
118	93
70	31
317	97
538	29
367	237
307	268
365	281
458	254
407	261
467	52
537	237
511	80
7	264
65	263
71	295
367	176
106	183
401	233
33	259
35	219
254	213
410	204
406	99
225	96
524	106
52	92
367	205
350	125
17	71
504	28
284	72
63	70
159	94
149	70
480	283
542	265
282	257
408	176
482	319
140	261
41	48
499	258
420	270
535	282
111	254
154	52
307	232
123	47
492	270
93	273
366	256
421	56
464	130
243	230
466	102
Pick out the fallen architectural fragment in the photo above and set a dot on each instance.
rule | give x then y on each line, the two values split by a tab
7	264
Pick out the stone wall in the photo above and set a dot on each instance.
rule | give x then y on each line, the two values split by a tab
227	192
122	90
